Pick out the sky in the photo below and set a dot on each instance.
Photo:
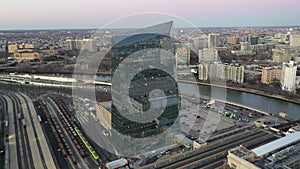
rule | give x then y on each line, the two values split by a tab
53	14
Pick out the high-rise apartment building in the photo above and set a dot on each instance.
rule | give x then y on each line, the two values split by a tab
220	71
183	56
203	71
200	42
234	73
214	40
208	55
288	77
83	44
71	44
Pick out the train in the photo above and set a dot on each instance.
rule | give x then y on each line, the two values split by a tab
86	143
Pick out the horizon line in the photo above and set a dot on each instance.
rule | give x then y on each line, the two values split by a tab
72	29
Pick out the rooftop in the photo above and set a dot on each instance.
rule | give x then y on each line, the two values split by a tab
277	144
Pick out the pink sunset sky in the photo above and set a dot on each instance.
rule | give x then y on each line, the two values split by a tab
37	14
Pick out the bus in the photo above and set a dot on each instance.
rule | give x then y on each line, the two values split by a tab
120	163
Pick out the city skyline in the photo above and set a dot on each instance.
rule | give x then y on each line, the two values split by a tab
95	14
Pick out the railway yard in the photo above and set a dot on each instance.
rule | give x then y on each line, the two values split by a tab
44	132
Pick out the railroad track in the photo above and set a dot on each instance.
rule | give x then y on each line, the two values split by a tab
29	163
250	142
28	149
218	149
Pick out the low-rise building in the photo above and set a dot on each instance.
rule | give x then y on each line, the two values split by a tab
282	153
25	56
12	48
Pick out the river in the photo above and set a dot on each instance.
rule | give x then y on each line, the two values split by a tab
270	105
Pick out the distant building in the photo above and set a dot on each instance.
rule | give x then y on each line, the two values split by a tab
245	46
12	48
87	44
231	40
71	44
288	78
208	55
295	40
253	40
221	71
282	38
270	74
282	55
26	46
214	40
200	43
49	52
183	56
259	47
234	73
245	49
203	72
26	56
82	44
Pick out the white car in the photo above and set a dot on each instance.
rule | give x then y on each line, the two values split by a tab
105	132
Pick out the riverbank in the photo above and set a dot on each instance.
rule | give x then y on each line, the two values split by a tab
252	91
230	103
